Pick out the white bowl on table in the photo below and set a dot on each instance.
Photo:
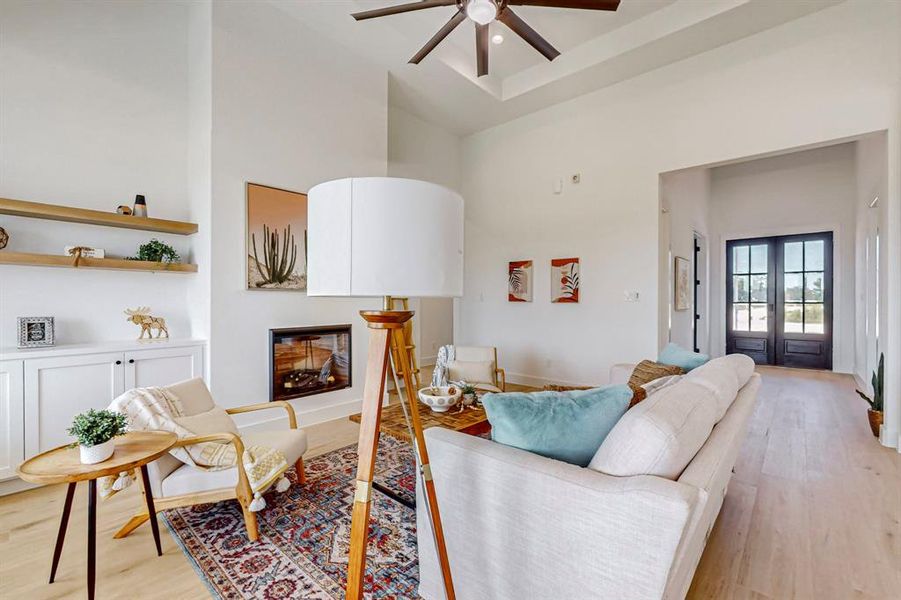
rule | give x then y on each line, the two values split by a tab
441	398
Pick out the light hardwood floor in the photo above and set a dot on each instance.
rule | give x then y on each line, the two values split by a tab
813	511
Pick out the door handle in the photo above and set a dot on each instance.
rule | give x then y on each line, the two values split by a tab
118	362
131	361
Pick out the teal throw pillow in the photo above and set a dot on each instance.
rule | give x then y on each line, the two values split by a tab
677	356
567	426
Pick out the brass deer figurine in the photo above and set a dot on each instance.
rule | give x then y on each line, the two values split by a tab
141	316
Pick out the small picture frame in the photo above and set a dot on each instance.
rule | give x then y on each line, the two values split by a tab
35	332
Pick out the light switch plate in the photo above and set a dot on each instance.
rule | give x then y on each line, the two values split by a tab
558	186
630	296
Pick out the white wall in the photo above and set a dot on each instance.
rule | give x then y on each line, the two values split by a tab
421	150
282	116
199	162
801	192
92	112
685	197
827	76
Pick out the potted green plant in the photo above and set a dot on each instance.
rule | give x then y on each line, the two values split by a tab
875	411
156	251
95	431
469	394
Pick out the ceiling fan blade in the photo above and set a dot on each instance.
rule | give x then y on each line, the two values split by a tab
436	39
482	49
401	8
584	4
522	29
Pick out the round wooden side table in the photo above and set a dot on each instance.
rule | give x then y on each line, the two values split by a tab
63	465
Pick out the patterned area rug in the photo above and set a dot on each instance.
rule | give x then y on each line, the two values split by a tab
304	534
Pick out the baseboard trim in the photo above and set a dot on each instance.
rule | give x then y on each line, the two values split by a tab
538	382
890	438
15	485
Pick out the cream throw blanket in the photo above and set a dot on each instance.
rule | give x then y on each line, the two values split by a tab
156	408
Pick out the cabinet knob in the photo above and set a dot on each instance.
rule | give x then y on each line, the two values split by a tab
131	361
118	362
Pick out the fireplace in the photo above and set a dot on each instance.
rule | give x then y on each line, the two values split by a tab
308	360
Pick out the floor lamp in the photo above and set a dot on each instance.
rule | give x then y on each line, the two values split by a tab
385	236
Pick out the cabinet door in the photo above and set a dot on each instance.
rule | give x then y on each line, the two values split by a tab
162	366
57	389
12	418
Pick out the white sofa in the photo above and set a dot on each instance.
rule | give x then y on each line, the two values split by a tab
520	526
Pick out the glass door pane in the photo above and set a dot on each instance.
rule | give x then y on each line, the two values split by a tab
803	286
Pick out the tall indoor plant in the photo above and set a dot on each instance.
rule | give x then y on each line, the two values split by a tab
876	402
95	431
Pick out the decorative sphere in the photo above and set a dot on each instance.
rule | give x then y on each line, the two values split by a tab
4	238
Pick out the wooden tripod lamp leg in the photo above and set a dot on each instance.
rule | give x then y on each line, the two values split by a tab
386	327
373	390
425	467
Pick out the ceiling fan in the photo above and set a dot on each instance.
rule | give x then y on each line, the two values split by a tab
482	13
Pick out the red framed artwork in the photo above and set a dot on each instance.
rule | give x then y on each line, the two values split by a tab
564	280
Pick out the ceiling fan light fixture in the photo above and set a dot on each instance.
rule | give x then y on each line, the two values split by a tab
497	39
481	11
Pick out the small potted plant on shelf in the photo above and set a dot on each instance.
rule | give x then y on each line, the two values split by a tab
156	251
95	431
875	411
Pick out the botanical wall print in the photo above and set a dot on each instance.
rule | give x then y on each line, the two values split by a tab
276	239
519	281
565	280
682	291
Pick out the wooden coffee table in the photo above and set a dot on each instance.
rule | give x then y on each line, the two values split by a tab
63	465
473	421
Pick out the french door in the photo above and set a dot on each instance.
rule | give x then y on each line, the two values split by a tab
779	300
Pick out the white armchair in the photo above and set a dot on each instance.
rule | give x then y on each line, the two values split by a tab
477	365
175	484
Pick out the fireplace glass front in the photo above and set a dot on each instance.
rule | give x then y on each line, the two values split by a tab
309	360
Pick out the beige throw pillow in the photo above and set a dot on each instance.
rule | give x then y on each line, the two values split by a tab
209	422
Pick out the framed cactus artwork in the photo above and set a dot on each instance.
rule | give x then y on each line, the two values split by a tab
276	239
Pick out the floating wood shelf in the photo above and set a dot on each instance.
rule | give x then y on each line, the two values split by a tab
54	212
118	264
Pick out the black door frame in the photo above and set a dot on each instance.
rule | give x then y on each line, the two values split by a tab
799	341
775	346
759	345
697	284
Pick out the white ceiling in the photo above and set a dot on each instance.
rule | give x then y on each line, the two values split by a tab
598	48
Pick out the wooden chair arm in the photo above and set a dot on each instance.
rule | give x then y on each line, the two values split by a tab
292	417
242	490
502	379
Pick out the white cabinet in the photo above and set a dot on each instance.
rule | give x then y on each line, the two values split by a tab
58	388
41	393
12	405
162	366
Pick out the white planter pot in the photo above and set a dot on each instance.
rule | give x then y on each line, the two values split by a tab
91	455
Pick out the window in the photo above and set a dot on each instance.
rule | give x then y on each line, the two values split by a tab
750	289
804	264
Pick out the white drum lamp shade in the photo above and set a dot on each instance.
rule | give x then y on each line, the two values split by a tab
384	236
